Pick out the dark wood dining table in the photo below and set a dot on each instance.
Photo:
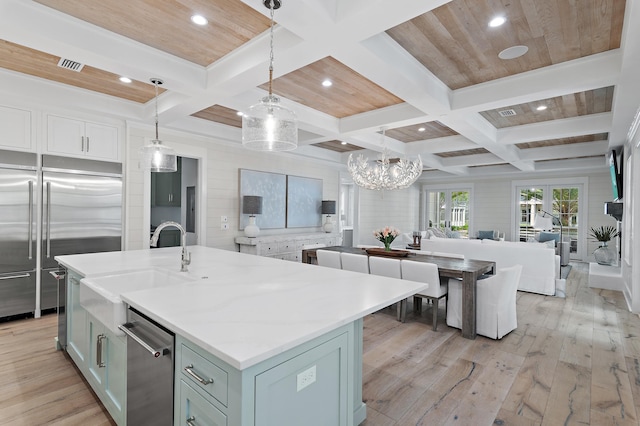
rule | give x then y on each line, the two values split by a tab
467	269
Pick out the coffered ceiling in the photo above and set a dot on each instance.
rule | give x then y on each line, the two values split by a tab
427	71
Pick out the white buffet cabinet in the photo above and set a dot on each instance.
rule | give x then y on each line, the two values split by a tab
245	322
286	246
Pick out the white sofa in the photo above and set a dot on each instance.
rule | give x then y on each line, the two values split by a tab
540	264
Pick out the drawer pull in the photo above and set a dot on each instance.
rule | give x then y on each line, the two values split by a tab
191	421
189	370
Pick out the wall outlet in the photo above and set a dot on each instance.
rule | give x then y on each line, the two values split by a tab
306	378
224	219
224	226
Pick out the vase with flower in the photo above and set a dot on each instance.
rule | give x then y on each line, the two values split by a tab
386	235
604	255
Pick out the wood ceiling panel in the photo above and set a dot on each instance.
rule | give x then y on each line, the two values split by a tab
350	93
432	130
166	24
462	152
567	106
455	42
337	146
39	64
564	141
220	114
571	158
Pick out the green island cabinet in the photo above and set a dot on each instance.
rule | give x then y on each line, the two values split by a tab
100	355
166	188
278	391
316	383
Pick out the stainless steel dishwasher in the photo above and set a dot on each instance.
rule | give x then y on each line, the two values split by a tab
149	371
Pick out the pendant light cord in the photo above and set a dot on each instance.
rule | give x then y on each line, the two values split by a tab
155	83
271	50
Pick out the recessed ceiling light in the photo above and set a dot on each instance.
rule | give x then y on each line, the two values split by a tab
125	79
239	113
541	108
421	129
327	83
343	143
199	20
497	21
513	52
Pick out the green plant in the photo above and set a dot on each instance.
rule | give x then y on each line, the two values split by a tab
603	233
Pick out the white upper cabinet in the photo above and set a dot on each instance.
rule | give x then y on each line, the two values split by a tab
15	129
81	138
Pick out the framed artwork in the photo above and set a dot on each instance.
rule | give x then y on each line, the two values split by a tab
304	201
272	187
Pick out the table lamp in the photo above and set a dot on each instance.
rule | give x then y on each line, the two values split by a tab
252	205
328	208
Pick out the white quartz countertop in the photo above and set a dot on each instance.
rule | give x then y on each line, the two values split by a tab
242	308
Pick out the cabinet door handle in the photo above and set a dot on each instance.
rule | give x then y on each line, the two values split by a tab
30	230
87	143
189	370
99	339
82	143
191	421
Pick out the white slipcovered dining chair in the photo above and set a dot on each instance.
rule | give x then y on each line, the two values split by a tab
389	267
426	273
329	258
495	303
355	262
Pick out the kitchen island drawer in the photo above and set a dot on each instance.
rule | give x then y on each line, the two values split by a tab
195	410
204	374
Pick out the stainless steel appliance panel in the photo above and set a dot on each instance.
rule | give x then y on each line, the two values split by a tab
149	371
18	192
81	214
17	293
48	289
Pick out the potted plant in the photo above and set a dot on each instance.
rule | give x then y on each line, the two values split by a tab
603	254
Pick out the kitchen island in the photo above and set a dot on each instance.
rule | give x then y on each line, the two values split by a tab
284	339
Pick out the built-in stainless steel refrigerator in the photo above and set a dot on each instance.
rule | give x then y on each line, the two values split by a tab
18	197
81	213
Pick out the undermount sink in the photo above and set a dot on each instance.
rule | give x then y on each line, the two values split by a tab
100	296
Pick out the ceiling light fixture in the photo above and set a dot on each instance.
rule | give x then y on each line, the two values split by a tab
155	156
327	83
381	174
125	79
497	21
199	20
421	129
267	125
541	108
240	113
343	143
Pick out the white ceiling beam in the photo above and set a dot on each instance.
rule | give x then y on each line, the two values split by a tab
585	149
554	129
444	144
390	117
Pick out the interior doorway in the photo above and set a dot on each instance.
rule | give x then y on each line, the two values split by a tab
174	198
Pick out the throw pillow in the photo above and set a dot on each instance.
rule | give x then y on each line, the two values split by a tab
438	232
485	235
549	236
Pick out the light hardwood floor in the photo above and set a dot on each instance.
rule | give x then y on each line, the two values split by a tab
570	361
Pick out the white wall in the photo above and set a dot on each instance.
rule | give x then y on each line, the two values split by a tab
221	164
377	209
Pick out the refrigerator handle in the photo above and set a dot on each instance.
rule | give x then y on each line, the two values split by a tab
48	224
30	230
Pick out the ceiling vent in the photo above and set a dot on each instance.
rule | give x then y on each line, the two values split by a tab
507	113
70	65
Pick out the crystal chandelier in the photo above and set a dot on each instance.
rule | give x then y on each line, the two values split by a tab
381	174
155	156
268	125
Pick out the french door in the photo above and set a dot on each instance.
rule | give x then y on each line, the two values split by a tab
447	208
562	202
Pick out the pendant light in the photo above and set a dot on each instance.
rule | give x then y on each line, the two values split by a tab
155	156
381	174
268	125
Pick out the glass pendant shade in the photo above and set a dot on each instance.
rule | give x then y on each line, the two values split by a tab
155	156
269	126
159	158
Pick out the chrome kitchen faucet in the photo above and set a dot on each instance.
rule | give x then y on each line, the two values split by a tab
186	256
